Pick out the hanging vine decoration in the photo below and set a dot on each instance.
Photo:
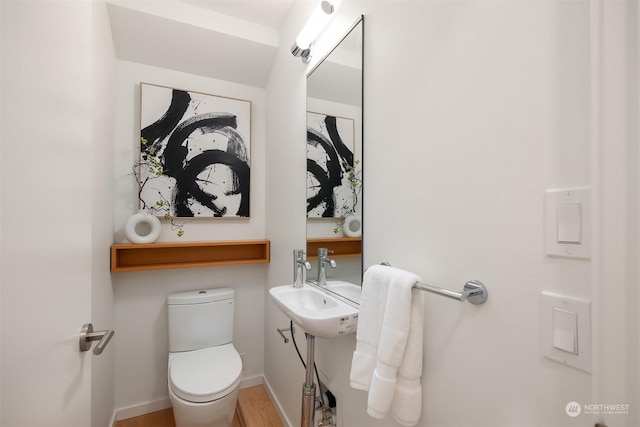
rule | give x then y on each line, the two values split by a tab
162	206
354	177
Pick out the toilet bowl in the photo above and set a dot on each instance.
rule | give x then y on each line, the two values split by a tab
203	386
204	367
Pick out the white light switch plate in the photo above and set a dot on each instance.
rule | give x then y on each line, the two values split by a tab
550	305
567	223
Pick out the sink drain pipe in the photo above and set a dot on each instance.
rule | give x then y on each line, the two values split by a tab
309	388
310	403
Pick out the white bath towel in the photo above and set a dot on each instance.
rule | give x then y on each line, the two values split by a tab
388	357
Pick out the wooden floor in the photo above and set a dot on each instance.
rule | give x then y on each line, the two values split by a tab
254	409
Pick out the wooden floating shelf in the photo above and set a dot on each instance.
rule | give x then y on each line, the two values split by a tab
159	256
342	247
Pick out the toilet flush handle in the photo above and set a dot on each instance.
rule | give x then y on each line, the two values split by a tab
87	335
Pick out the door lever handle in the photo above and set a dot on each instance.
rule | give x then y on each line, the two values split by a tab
87	336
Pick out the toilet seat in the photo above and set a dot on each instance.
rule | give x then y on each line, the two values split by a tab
205	375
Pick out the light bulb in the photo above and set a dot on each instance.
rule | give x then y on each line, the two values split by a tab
314	26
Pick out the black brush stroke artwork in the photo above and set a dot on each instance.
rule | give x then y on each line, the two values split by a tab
339	160
169	136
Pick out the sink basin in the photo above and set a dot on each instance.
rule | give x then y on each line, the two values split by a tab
347	290
315	311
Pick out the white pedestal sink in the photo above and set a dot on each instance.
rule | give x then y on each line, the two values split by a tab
317	312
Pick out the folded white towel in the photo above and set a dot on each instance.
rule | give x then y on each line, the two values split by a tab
407	402
372	304
388	357
406	407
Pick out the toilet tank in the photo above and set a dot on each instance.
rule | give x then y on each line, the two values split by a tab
200	319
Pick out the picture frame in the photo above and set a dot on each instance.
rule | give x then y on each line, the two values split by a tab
195	154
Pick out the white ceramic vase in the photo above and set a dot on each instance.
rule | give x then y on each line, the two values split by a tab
352	226
142	228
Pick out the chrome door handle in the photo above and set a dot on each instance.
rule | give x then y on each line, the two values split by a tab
87	336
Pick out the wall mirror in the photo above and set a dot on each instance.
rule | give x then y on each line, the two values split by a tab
334	159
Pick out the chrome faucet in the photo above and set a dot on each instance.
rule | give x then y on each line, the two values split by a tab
322	267
300	264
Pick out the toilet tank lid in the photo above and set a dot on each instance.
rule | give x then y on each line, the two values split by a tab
199	297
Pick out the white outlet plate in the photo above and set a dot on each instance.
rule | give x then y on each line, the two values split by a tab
582	310
554	201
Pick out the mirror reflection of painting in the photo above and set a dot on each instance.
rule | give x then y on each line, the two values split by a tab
330	166
194	153
335	166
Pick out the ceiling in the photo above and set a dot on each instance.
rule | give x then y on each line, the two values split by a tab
269	13
231	40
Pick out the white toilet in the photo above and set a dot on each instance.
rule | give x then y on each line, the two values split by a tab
204	367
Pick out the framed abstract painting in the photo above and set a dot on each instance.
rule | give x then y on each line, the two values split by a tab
195	151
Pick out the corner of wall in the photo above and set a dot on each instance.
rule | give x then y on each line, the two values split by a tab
285	194
102	299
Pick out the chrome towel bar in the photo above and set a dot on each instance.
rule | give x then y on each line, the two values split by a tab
474	291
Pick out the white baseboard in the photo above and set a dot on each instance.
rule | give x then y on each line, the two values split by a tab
158	405
142	408
112	423
276	404
251	381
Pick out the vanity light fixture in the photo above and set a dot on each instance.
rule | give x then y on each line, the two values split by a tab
314	26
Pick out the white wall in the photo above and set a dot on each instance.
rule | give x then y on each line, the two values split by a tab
140	297
494	108
472	110
127	136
